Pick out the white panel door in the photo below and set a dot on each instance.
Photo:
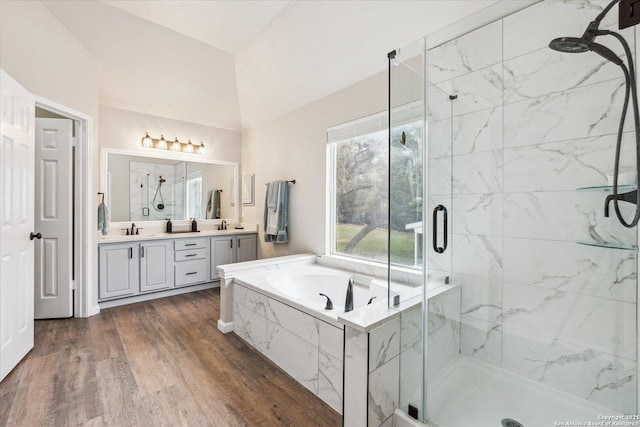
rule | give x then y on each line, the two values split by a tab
53	278
17	112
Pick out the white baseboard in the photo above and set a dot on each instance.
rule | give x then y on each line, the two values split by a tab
225	327
156	295
94	310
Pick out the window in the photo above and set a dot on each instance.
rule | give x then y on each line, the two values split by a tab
194	195
358	159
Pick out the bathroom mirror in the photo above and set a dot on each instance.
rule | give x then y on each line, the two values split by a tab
145	188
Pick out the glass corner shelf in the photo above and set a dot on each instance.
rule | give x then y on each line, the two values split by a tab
609	188
620	246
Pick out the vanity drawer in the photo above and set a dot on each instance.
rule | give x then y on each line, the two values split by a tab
180	244
190	254
190	272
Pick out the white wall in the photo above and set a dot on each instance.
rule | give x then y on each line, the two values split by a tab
124	130
152	69
37	51
294	146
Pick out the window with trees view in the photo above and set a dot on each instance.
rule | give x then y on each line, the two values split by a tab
360	215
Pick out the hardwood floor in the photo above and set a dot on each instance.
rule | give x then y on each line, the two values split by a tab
160	363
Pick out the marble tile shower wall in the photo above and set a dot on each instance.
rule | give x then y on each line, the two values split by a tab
529	126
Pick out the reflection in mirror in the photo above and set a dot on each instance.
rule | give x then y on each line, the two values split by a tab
152	189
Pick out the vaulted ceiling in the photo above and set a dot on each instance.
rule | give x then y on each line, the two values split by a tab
239	64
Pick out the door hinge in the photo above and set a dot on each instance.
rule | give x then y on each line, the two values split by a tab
73	285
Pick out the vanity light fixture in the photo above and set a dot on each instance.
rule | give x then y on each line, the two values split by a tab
189	147
175	145
147	141
162	144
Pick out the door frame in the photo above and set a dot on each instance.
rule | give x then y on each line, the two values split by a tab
84	226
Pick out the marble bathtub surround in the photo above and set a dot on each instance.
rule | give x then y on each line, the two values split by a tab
357	355
276	330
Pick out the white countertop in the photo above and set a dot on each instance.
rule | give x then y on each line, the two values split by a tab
120	238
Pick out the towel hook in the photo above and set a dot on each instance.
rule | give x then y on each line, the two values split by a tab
101	194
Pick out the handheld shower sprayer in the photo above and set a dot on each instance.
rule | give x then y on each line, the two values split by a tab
159	206
586	43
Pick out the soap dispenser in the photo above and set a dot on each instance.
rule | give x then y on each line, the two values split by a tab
194	225
169	225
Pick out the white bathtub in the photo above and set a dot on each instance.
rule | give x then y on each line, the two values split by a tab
305	284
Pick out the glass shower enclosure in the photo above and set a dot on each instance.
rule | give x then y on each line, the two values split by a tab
529	307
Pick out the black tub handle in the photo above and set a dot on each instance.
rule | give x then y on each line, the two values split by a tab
439	249
329	305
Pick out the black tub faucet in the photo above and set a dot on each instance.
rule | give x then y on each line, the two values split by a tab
348	303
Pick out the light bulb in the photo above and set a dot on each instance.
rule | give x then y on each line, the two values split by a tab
189	147
147	141
176	145
162	144
201	148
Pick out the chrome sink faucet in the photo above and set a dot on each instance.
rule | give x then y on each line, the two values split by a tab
348	303
223	225
133	228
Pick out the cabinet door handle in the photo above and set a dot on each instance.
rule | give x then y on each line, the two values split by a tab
193	272
190	255
238	242
231	241
190	244
131	253
141	251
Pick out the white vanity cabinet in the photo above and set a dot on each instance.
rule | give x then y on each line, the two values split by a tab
156	265
232	249
247	247
134	270
118	270
191	258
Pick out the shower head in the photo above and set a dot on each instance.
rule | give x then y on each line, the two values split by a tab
584	44
570	44
162	180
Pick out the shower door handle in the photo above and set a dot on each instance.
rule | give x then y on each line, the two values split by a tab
439	249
